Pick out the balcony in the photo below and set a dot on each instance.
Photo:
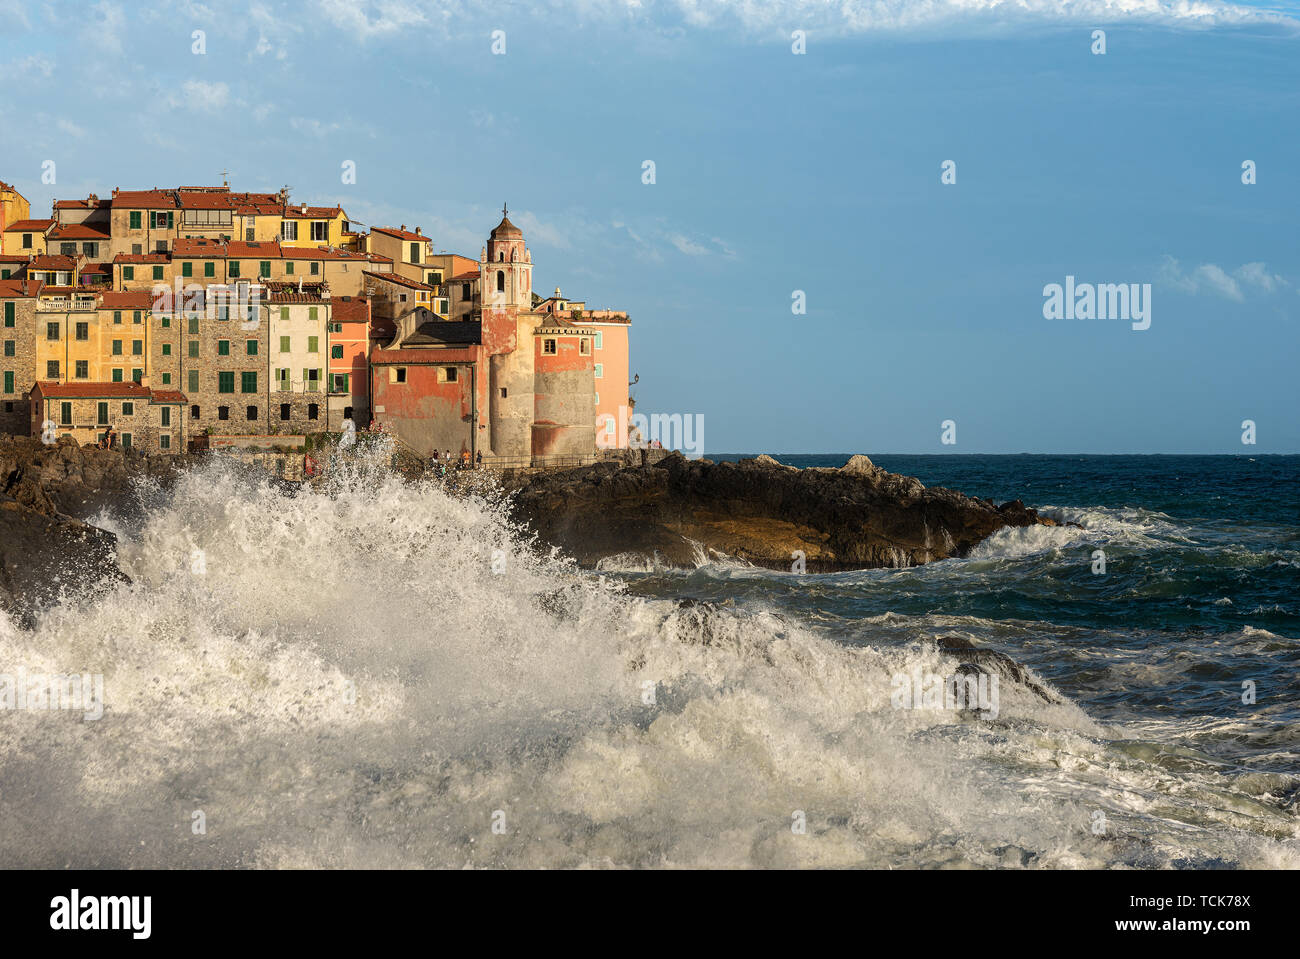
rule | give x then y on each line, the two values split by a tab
67	304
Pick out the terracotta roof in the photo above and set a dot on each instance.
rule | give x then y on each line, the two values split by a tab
423	357
401	234
472	275
126	300
131	258
77	231
211	249
349	309
28	226
13	289
86	204
144	199
332	253
398	280
289	292
90	268
205	200
313	212
167	396
258	250
52	263
128	391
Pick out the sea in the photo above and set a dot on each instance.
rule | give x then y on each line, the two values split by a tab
373	673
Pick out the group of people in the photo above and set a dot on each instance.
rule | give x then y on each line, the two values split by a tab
443	462
109	440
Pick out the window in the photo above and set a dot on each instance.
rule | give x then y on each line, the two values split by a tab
398	374
282	380
137	375
464	291
250	347
288	267
135	220
128	273
52	369
313	313
117	317
166	416
101	417
9	381
289	230
9	314
435	279
223	347
252	414
209	268
67	249
311	380
320	231
137	249
315	268
501	281
223	412
194	412
449	374
250	234
166	322
600	341
336	352
65	414
166	349
27	241
157	272
9	347
548	347
248	382
164	441
226	382
194	349
4	273
284	344
339	382
83	369
193	325
415	253
187	269
193	377
313	344
167	379
600	370
128	409
136	317
233	268
284	411
83	331
137	347
584	346
313	411
503	392
117	374
264	268
117	347
51	331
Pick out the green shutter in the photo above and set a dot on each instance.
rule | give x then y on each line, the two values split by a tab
266	268
135	219
233	267
117	316
128	273
194	381
9	381
252	347
117	376
9	314
209	268
313	344
248	382
284	344
223	347
194	349
187	269
157	272
167	349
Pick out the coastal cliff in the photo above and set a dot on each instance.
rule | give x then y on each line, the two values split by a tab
855	517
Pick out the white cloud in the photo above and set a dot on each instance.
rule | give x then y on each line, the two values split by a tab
27	69
201	96
686	245
312	127
103	27
1212	278
374	18
70	128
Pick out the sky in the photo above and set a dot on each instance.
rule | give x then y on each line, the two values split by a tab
775	173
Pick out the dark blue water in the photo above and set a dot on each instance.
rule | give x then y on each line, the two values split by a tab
1188	642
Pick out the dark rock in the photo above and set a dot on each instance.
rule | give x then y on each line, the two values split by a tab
855	517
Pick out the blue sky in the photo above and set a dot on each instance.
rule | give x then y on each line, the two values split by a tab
775	172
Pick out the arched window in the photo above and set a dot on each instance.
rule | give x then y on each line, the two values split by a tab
501	281
501	256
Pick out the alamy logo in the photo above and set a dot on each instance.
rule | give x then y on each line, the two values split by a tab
40	691
968	690
1103	301
671	431
102	912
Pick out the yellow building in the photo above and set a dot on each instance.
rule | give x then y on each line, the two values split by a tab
13	206
314	226
24	237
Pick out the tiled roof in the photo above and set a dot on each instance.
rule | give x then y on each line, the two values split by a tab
313	212
86	204
399	280
349	309
401	234
290	293
77	231
205	200
200	248
126	300
257	250
168	396
28	226
95	268
470	275
52	263
144	199
13	289
126	391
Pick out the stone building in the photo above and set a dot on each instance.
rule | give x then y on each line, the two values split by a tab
298	319
18	354
143	419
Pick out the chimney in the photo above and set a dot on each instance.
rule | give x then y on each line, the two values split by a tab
403	227
299	284
304	209
417	230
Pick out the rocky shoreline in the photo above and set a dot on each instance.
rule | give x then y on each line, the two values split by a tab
858	516
668	510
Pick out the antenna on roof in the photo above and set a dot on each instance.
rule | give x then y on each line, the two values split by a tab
225	178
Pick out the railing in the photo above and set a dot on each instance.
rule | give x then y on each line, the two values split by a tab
66	305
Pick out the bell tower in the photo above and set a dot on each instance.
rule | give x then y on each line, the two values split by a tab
506	265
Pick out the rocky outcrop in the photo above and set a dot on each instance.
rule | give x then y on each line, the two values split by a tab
858	516
47	551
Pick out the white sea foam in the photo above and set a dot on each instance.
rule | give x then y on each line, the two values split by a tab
363	674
